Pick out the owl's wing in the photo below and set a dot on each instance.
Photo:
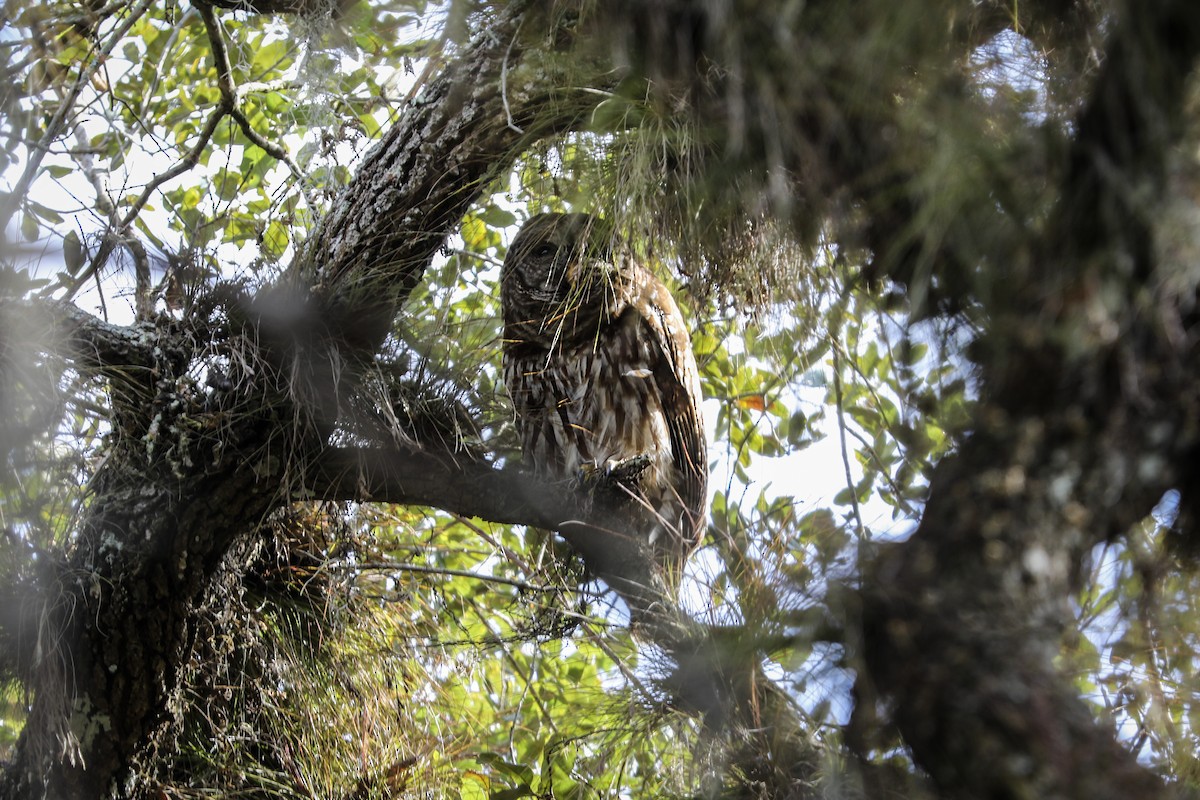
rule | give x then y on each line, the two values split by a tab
673	366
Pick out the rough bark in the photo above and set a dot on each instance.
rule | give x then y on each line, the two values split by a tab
120	621
414	187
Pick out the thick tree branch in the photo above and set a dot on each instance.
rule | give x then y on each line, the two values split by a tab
63	328
466	487
414	187
503	495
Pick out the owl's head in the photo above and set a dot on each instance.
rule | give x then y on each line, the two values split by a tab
558	279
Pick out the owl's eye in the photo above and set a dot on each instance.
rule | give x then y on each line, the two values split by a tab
544	250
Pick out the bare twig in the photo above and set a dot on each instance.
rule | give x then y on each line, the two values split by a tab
260	87
504	82
118	233
398	566
190	160
841	417
511	555
143	300
491	261
596	637
231	96
896	489
516	666
168	49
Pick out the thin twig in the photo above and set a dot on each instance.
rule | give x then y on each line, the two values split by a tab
262	87
596	638
504	80
510	554
484	257
529	686
395	566
230	97
190	160
841	417
168	50
870	448
117	235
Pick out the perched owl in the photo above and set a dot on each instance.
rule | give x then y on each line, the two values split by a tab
599	365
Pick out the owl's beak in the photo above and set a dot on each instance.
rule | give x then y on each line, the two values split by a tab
589	268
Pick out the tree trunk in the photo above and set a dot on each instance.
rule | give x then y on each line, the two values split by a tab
120	625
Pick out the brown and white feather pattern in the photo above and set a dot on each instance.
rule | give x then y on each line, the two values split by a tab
599	365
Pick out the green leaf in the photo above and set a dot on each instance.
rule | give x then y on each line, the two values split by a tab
514	793
912	353
474	233
73	252
30	227
275	238
497	217
44	213
269	58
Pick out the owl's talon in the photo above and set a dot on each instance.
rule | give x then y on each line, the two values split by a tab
615	472
626	470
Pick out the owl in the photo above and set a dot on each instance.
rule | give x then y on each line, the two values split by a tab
599	366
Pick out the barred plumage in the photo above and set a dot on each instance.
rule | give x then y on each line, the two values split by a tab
599	365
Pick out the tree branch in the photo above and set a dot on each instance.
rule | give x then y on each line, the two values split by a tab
962	621
117	234
63	328
419	477
230	103
397	566
502	495
408	195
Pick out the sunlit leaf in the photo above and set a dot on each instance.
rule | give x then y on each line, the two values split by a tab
753	402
